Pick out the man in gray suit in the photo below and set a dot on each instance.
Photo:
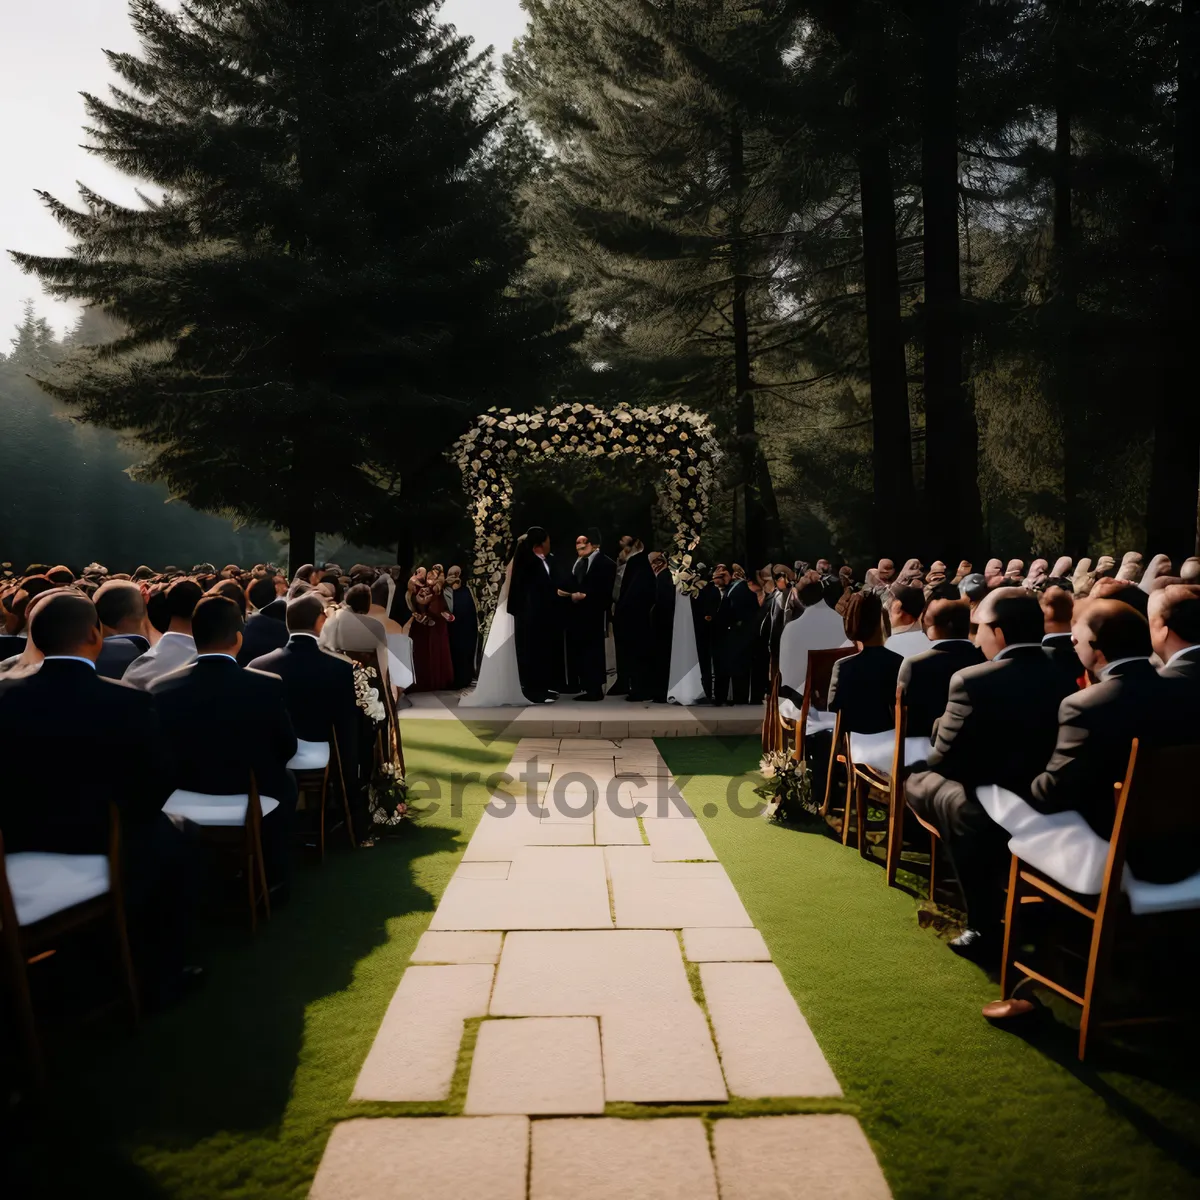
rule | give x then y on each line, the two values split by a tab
175	648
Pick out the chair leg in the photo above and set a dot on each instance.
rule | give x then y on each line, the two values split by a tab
252	898
26	1020
895	844
126	957
262	874
861	792
1099	960
1011	912
829	777
321	827
933	849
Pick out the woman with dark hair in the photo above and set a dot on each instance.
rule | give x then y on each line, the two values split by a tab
464	633
430	633
863	686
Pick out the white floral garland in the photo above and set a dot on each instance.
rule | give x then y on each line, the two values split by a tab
678	437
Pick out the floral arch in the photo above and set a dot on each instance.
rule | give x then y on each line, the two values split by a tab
680	439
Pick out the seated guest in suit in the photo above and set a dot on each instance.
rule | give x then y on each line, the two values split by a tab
926	677
1130	699
1000	725
863	685
100	741
1175	630
318	689
810	625
122	609
175	648
266	626
15	613
1058	611
222	722
905	610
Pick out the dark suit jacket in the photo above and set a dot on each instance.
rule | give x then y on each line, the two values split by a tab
863	689
533	594
734	626
118	652
1060	649
663	617
1001	721
265	630
10	646
318	691
637	590
925	678
590	614
222	722
1096	727
75	742
1186	666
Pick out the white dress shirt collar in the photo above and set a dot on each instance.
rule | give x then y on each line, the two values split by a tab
1017	646
1066	634
303	633
69	658
171	633
1181	653
947	641
216	654
1116	662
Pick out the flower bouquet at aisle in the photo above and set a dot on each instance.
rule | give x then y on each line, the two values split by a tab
786	786
387	797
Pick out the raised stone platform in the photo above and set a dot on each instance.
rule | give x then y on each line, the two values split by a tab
607	718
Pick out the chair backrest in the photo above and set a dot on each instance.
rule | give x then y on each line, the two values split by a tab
1158	807
901	729
820	674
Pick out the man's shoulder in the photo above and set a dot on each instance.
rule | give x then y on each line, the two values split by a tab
170	681
257	677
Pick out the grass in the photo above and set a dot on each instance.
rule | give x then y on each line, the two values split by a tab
234	1093
953	1107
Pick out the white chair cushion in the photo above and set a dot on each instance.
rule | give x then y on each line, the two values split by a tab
1007	809
819	722
203	809
788	709
1148	898
1064	847
875	749
45	884
310	756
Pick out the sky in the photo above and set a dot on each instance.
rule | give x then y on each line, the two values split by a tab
50	51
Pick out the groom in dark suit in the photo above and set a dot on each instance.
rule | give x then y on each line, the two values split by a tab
593	576
532	600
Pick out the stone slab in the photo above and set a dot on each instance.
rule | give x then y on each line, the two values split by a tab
767	1048
677	841
537	1065
616	820
548	887
817	1157
606	1158
725	945
672	895
483	870
425	1158
498	837
660	1055
639	861
459	947
416	1048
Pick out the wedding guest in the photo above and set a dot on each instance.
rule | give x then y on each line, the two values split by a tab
1058	609
1129	593
965	568
632	623
1160	565
591	584
734	625
223	723
863	685
785	578
925	677
1083	578
101	742
1062	567
532	601
122	611
1175	630
266	627
1190	571
381	605
905	610
318	690
811	625
993	573
15	606
999	727
1039	569
704	609
432	664
29	661
176	647
1131	566
464	632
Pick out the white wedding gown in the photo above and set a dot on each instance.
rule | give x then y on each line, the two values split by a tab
499	683
685	686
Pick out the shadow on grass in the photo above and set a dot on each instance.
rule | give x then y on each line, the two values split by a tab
223	1061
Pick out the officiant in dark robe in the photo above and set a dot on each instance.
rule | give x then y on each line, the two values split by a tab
533	601
587	596
632	615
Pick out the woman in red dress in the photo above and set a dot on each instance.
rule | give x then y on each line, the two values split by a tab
430	633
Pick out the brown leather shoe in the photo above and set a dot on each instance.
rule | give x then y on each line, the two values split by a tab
1010	1011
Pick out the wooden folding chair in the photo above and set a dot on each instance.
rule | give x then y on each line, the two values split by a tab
773	738
238	840
817	677
317	779
1157	804
27	943
865	781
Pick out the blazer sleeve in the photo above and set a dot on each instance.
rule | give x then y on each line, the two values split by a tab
1076	772
835	701
951	750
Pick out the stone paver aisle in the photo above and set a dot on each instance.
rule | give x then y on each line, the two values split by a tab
568	928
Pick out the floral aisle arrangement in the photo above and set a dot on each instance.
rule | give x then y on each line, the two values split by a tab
688	576
786	786
678	438
387	793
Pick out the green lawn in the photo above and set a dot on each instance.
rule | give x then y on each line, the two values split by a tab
953	1107
233	1094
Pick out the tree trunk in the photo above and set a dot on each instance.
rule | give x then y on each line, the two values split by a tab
749	452
1069	401
1171	512
894	500
951	437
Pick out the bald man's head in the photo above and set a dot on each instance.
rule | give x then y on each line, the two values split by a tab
121	607
948	619
66	623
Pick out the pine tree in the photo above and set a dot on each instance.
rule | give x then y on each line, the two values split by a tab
322	294
35	348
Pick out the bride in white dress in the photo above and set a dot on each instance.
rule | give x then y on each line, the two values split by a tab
499	683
